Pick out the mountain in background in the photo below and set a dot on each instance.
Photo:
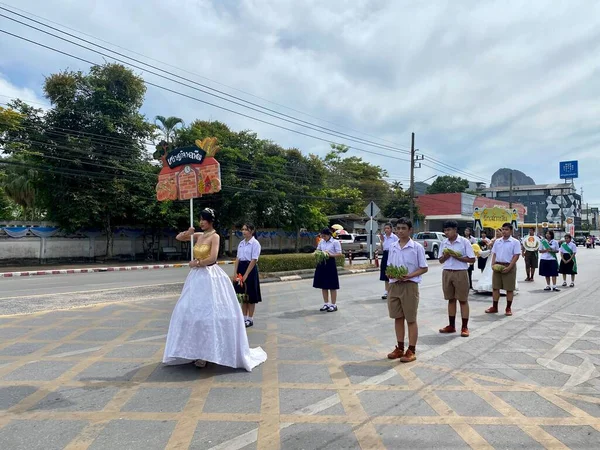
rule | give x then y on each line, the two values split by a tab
421	188
502	178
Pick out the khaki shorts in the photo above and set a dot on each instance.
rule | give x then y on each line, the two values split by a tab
531	260
403	300
506	281
455	284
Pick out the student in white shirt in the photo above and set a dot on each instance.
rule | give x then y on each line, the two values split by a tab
472	240
455	277
387	239
326	276
549	260
568	260
403	296
506	252
247	256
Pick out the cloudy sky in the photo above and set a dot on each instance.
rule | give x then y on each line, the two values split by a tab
483	84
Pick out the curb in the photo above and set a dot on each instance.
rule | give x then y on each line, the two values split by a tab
294	277
32	273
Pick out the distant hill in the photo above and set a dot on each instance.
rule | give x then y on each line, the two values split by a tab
502	178
421	188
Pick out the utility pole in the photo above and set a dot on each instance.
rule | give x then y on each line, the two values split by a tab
510	190
412	178
413	165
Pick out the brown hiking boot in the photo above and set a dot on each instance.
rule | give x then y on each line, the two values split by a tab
448	329
464	332
397	353
491	310
408	357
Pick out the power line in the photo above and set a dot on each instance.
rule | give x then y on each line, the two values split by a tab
337	134
203	101
255	107
200	76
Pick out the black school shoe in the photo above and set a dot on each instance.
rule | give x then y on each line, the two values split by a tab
332	308
249	322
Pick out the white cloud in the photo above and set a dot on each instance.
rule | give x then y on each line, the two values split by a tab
10	91
483	84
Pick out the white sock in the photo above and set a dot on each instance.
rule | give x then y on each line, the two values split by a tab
553	286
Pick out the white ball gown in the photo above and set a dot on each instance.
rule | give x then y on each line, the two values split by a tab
484	284
207	322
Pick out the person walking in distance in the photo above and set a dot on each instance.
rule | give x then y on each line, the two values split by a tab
246	259
403	294
506	252
326	276
455	278
472	240
484	243
568	260
387	239
530	246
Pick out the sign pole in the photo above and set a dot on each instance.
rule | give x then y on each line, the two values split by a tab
191	225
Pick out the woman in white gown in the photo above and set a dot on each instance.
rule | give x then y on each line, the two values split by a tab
207	323
484	284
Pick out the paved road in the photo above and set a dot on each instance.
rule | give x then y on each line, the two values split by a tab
91	377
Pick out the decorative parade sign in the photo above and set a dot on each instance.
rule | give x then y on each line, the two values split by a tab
189	172
494	217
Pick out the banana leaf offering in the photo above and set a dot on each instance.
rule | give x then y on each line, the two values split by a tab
498	267
450	252
396	272
321	256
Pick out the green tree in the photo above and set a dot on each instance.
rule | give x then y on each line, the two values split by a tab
347	173
95	142
399	203
448	184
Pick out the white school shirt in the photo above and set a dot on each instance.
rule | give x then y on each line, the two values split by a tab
462	245
248	250
472	239
571	245
388	241
332	246
550	256
411	256
505	249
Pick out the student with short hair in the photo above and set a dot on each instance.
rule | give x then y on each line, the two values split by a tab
245	265
506	252
455	276
568	260
387	239
403	295
549	261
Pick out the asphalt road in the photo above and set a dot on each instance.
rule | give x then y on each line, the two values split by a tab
91	377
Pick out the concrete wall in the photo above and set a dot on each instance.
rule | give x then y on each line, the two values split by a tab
62	248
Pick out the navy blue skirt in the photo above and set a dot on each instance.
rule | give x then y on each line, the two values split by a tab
326	276
252	282
383	266
548	268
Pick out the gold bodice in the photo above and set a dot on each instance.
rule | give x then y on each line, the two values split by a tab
201	251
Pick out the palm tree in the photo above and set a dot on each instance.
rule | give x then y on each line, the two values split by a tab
167	126
18	184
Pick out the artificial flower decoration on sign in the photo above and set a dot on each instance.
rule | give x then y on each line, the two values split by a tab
188	172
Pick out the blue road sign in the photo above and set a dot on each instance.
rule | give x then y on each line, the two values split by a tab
568	169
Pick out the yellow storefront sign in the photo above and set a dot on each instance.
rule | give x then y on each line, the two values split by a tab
495	217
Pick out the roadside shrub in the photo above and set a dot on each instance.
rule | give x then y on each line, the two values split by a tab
289	262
